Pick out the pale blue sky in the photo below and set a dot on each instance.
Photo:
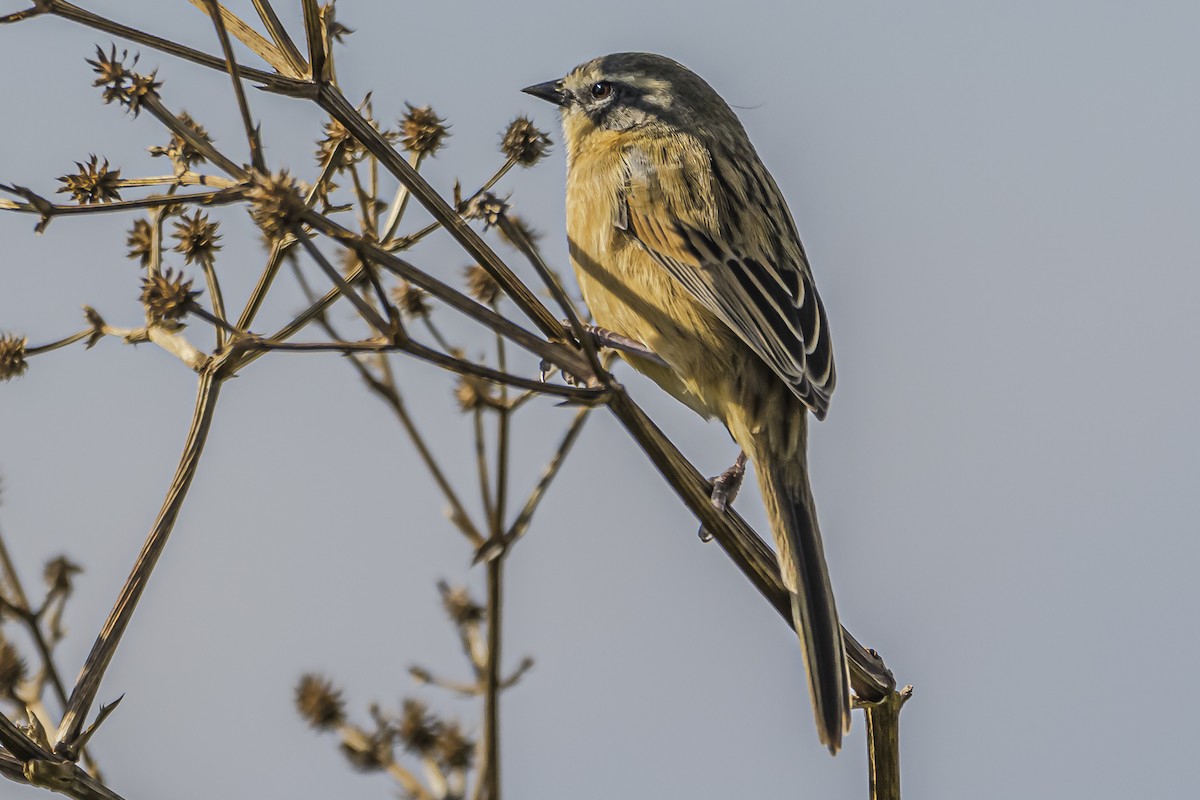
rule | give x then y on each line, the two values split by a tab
1000	204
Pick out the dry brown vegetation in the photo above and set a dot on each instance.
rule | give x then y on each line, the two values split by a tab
336	233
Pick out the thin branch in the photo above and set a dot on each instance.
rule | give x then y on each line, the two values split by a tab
883	744
565	357
340	109
390	394
279	248
420	351
74	13
521	524
264	48
298	68
869	676
87	685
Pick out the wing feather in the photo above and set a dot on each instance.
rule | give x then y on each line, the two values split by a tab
750	272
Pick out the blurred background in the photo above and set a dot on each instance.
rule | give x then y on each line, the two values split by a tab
1000	204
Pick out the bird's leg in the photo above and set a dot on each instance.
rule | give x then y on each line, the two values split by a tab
603	337
725	489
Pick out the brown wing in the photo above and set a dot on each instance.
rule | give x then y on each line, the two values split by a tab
728	237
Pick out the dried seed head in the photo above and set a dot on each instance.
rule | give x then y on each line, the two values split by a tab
524	143
12	357
141	90
411	300
482	286
140	241
474	393
94	183
276	203
351	152
487	207
111	72
319	703
370	756
197	238
459	606
179	149
454	750
12	668
418	729
167	297
422	130
59	572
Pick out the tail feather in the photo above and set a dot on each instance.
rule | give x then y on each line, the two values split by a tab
783	476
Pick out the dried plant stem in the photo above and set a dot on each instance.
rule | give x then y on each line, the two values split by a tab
868	675
74	13
32	622
46	209
525	515
64	342
389	392
489	776
565	357
883	744
297	67
33	764
279	248
265	49
400	201
87	686
336	105
517	236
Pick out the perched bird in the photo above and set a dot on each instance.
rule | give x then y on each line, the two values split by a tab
682	241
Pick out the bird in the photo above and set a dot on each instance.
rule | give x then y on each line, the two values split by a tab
682	241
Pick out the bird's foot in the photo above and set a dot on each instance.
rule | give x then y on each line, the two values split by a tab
603	337
725	489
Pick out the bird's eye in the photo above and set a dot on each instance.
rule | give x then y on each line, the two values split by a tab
601	90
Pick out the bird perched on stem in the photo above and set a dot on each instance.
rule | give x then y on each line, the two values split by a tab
682	241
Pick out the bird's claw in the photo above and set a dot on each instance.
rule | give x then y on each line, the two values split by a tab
725	488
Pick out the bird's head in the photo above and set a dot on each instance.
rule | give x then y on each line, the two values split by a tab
626	92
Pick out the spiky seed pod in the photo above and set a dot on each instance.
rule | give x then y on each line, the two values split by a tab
371	756
180	149
59	572
319	703
454	750
524	143
140	241
335	134
418	729
197	238
487	207
167	297
93	183
474	393
422	131
459	606
276	203
141	90
12	357
111	72
481	285
411	300
12	668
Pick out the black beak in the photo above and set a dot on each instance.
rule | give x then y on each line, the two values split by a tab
550	91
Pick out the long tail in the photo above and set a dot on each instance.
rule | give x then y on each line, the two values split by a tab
777	446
